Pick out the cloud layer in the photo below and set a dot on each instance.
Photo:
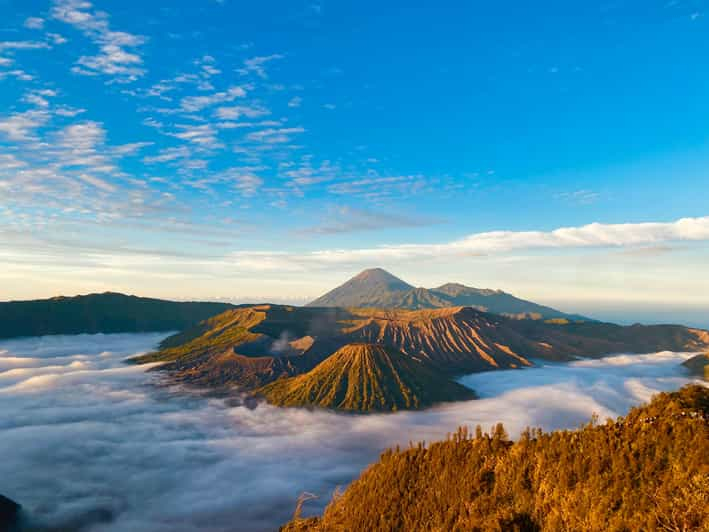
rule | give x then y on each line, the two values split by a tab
89	440
595	235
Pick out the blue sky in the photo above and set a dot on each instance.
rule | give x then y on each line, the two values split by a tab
271	149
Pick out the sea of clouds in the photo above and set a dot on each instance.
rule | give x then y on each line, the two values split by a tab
90	443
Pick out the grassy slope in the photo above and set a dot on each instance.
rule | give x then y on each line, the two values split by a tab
365	378
647	471
213	335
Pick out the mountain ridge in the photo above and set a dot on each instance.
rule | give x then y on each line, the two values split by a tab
250	347
107	312
377	288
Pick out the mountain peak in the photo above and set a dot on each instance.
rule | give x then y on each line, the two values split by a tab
363	289
379	275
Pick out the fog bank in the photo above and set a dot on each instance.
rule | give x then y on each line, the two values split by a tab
89	441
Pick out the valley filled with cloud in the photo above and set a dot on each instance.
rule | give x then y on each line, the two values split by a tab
91	441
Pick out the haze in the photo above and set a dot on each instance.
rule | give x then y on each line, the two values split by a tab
94	441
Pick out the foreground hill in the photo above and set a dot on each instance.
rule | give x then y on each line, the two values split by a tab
100	313
377	288
365	378
252	346
647	471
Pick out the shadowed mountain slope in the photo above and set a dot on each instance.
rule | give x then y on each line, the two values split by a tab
377	288
365	378
252	346
370	288
101	313
9	514
647	471
698	366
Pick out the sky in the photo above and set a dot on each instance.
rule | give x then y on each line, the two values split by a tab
270	150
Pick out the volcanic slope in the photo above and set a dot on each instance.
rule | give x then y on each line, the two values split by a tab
366	378
250	347
377	288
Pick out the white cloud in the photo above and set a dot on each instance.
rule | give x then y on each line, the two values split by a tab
38	98
21	126
23	45
256	65
82	137
594	235
168	154
97	182
34	23
18	74
204	135
376	187
236	112
244	465
197	103
113	59
275	135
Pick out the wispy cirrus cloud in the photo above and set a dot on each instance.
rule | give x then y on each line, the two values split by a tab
579	197
346	219
256	65
192	104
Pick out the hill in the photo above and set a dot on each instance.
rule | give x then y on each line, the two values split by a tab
377	288
9	514
366	378
100	313
252	346
698	365
647	471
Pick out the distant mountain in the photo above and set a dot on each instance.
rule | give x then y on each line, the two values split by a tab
377	288
366	378
370	288
253	346
101	313
698	365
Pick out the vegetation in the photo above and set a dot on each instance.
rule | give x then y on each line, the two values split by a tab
698	365
366	378
100	313
377	288
647	471
249	347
